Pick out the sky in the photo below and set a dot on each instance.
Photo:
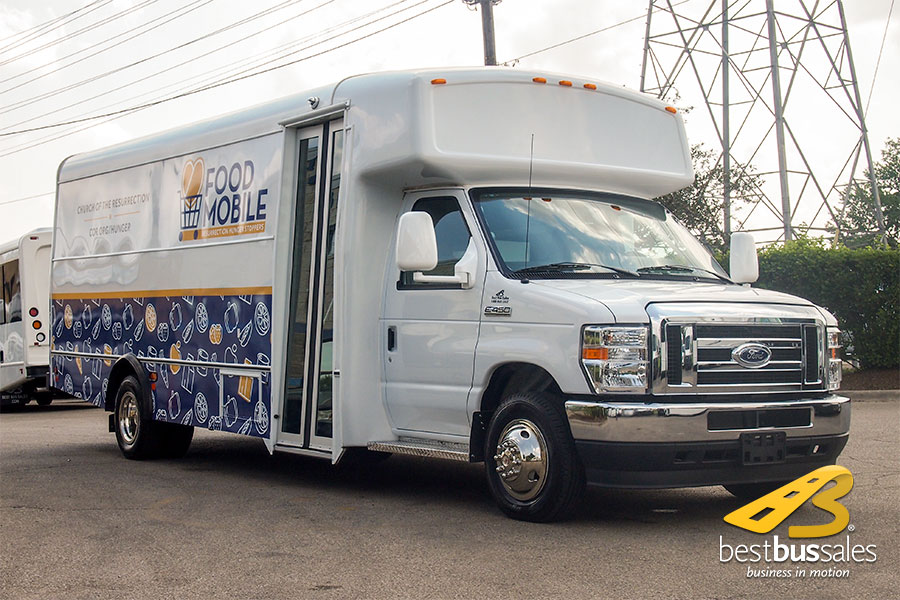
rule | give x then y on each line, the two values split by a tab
117	54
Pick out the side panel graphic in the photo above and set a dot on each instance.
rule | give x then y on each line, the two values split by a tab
231	328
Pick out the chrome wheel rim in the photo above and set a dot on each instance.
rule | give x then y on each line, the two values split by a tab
521	459
129	418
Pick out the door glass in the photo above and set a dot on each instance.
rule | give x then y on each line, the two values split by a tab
450	231
303	233
326	363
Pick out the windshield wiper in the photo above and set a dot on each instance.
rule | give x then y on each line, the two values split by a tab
681	269
571	266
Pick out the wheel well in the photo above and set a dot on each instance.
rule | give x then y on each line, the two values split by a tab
511	378
125	366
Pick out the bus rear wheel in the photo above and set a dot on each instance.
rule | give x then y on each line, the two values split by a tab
136	433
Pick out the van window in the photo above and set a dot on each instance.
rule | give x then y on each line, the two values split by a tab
452	237
12	299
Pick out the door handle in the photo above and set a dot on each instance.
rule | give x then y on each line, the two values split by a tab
391	338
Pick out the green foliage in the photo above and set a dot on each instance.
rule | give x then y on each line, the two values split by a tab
861	287
857	221
700	206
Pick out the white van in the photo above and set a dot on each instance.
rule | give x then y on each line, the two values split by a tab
461	263
24	319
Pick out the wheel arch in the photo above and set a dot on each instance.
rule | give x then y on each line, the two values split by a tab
506	379
123	367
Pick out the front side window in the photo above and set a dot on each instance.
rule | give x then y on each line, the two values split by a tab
554	233
451	232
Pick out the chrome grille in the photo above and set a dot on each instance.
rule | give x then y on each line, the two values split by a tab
694	353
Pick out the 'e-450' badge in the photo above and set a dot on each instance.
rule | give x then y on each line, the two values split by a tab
497	311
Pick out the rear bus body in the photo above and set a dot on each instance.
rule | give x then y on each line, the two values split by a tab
25	318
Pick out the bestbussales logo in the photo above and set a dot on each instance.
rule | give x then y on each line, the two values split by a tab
766	513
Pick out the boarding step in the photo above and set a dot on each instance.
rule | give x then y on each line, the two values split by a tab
422	447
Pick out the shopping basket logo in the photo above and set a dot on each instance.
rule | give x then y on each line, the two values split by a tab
191	197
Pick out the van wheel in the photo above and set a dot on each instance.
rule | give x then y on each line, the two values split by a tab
44	399
138	436
532	468
175	439
752	491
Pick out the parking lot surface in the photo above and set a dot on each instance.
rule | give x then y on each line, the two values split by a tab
77	520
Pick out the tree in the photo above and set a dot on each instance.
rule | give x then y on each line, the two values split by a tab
701	205
857	220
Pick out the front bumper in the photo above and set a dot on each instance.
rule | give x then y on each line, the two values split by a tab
658	445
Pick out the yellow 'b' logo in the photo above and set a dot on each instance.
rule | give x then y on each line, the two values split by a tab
764	514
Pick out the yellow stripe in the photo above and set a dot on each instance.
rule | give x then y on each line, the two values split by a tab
248	291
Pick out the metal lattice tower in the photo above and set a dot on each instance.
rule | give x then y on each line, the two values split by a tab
780	92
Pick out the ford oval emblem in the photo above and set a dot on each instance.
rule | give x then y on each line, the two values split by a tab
752	355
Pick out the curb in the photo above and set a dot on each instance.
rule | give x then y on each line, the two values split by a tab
872	395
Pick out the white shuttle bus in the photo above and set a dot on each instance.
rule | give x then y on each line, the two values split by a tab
464	264
24	319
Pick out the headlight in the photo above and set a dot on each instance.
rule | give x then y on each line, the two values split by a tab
615	358
833	357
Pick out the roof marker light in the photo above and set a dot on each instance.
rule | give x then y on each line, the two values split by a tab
539	79
590	86
438	81
566	83
672	109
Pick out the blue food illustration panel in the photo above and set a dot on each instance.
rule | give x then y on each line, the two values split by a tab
199	330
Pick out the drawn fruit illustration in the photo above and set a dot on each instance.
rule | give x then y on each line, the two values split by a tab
261	318
188	332
201	409
78	364
128	316
174	405
150	318
67	316
117	331
107	350
244	334
175	317
202	318
139	331
261	417
231	317
106	316
215	334
162	332
175	354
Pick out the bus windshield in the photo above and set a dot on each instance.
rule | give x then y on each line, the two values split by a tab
552	233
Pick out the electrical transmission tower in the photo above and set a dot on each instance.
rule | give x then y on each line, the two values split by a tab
779	92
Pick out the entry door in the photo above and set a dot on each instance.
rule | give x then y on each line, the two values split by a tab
430	329
306	414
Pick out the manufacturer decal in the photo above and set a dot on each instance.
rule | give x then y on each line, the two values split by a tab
497	311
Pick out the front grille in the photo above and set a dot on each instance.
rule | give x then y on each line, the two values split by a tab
792	366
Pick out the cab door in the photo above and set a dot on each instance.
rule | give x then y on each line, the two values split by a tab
430	329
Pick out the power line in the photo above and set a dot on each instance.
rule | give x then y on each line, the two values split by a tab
50	94
184	10
26	198
74	34
209	77
586	35
880	52
48	25
239	76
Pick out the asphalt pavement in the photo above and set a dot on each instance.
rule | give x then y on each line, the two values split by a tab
77	520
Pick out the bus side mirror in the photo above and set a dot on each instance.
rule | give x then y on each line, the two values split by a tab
416	243
743	264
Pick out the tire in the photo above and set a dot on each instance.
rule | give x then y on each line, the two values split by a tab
44	399
550	485
174	440
752	491
138	436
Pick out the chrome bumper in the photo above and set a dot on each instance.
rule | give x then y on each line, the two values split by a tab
658	422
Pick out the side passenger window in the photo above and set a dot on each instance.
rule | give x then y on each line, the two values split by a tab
451	232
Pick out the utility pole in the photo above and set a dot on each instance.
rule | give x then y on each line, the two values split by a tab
487	29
